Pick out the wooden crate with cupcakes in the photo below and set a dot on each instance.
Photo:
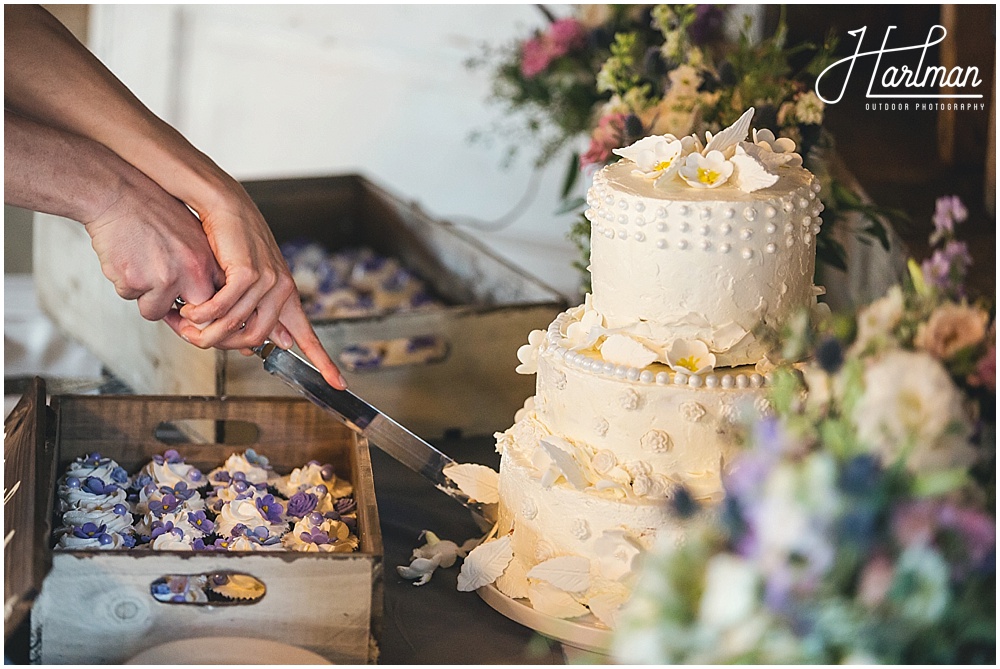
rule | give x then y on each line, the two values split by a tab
439	360
94	597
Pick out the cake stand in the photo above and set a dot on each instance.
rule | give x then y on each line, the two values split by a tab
584	633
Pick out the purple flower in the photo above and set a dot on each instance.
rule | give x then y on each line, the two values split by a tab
948	211
947	268
169	456
200	545
315	536
222	477
255	459
89	531
270	508
168	504
345	505
301	503
261	537
201	521
141	481
222	544
119	475
707	24
159	527
96	486
128	540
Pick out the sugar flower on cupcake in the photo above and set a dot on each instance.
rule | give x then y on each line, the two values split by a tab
254	468
252	513
318	533
169	469
90	491
94	464
114	519
259	538
312	475
94	536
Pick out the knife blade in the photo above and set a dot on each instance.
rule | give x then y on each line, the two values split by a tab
369	422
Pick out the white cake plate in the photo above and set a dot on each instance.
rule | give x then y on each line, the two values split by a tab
584	633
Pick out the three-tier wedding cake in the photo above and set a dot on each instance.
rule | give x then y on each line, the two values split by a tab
700	253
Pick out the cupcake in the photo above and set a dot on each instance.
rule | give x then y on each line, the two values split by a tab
91	492
317	533
94	464
169	469
251	513
311	475
254	468
90	536
115	519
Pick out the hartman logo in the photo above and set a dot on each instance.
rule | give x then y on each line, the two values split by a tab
903	73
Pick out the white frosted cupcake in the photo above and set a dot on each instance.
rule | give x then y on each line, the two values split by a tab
236	489
248	514
169	469
316	534
116	519
93	537
253	467
94	464
91	492
311	475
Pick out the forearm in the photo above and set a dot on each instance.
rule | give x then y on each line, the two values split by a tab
51	77
56	172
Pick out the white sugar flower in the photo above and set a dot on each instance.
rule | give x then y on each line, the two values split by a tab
585	332
690	357
528	354
653	156
751	172
782	149
708	171
911	407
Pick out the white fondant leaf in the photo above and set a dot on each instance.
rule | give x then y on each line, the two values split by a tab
567	572
477	481
484	564
514	580
731	136
551	601
566	463
750	174
623	350
606	607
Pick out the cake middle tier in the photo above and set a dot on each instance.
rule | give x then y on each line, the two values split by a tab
674	262
677	425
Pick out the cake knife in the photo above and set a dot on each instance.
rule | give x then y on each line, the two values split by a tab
369	422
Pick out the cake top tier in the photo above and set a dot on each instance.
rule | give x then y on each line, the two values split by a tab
724	167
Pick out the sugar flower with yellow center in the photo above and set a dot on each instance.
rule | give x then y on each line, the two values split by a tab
708	171
654	156
690	357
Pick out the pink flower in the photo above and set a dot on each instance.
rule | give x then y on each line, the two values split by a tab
608	135
566	35
563	36
985	374
535	57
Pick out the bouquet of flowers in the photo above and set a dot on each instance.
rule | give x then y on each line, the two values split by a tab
860	525
618	73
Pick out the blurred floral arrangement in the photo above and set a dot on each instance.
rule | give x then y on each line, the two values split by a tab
618	73
859	526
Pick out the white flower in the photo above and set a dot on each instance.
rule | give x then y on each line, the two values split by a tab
617	554
653	156
690	357
692	411
911	407
780	151
730	595
809	108
528	354
684	80
623	350
708	171
751	172
603	461
657	441
585	332
877	320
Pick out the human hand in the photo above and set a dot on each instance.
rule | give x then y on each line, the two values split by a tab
259	299
153	249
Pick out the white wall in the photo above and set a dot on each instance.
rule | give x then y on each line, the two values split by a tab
273	90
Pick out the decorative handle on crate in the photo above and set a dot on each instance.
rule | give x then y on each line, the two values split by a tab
220	588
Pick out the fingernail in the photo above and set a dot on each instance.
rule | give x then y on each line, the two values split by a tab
285	340
343	381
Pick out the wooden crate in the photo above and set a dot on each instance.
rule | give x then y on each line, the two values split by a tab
97	606
491	308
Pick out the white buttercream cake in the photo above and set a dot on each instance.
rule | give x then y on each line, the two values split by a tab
699	255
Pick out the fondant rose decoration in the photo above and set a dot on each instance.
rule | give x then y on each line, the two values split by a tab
654	156
690	357
708	171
